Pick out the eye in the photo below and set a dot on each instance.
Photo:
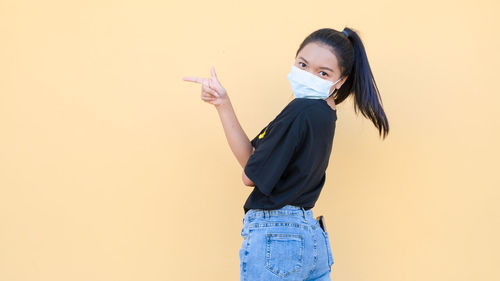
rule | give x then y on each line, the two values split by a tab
326	74
300	63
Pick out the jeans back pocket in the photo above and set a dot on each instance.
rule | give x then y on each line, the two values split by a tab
284	253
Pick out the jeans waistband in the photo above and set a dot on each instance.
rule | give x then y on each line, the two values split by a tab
285	210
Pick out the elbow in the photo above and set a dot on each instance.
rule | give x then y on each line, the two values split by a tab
246	180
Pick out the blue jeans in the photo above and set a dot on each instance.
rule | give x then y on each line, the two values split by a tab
284	244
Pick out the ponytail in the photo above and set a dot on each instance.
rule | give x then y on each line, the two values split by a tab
366	94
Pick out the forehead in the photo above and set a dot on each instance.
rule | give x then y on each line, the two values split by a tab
318	54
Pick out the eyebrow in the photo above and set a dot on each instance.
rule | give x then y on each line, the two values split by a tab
321	67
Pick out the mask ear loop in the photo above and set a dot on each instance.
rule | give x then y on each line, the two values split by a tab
333	92
335	89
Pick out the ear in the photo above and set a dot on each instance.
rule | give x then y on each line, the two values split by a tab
343	80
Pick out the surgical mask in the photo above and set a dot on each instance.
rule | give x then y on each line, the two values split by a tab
307	85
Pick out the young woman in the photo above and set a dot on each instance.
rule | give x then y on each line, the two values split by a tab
287	160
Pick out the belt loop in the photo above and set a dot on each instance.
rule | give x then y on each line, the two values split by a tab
266	214
304	213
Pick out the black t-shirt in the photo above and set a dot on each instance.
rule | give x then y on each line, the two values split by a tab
291	156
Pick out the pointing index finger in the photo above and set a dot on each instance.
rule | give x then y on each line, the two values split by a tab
192	79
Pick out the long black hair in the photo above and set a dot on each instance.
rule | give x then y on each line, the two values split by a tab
347	46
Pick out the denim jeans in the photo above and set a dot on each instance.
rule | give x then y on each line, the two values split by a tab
284	244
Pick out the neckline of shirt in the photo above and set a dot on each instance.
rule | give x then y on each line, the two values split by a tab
326	103
321	101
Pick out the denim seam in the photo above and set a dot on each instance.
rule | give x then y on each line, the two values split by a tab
272	224
315	254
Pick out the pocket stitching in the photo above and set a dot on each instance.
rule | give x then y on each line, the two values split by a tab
278	271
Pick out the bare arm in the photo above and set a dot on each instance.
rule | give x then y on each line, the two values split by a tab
246	180
236	137
213	92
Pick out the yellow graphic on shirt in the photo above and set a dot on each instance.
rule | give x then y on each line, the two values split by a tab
262	135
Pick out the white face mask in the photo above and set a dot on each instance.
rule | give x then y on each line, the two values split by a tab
307	85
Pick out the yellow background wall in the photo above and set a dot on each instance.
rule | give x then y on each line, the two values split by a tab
113	168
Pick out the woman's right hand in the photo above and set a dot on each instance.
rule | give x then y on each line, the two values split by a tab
211	89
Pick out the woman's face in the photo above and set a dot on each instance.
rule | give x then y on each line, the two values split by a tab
320	61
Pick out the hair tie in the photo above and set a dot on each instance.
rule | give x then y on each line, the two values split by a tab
346	35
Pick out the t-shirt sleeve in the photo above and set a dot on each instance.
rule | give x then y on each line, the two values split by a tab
254	141
273	154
